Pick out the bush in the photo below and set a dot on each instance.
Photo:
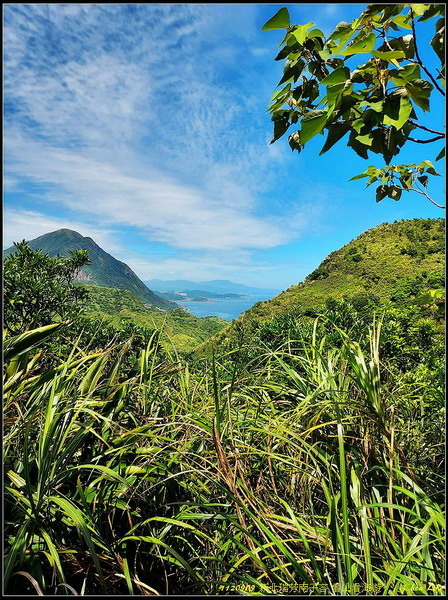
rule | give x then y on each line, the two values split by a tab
39	288
319	273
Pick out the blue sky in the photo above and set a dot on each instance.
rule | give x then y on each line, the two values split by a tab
145	127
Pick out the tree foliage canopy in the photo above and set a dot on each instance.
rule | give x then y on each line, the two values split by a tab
38	287
376	103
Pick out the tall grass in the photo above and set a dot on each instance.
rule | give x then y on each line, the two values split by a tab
283	473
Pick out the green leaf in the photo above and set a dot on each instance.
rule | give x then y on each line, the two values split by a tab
178	560
404	113
14	346
300	32
343	32
281	92
292	71
342	29
17	480
294	141
358	75
316	33
419	9
402	21
312	124
365	139
365	44
441	154
279	21
359	148
376	106
381	192
339	75
334	92
335	133
410	72
428	296
438	41
426	163
405	74
406	181
389	56
281	124
53	553
361	176
432	11
394	193
358	125
404	43
420	90
284	53
79	520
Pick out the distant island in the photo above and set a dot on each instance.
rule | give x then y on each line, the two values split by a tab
198	296
215	286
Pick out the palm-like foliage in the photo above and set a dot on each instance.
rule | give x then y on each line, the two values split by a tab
280	469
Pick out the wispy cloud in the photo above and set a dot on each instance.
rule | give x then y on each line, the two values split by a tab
137	115
166	210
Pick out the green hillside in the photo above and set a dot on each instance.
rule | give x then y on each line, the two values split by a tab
104	270
390	262
180	327
305	452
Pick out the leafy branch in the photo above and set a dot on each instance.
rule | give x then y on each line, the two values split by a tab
376	103
417	55
411	177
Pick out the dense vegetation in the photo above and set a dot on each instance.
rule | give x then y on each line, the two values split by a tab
391	262
38	287
304	455
178	327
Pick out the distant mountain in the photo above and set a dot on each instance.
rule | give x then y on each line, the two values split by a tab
104	270
218	286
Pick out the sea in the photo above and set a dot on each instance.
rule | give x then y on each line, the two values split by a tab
225	309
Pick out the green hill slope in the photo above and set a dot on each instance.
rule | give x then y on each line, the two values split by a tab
104	270
180	327
388	262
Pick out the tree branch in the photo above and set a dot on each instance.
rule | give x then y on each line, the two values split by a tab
419	60
434	139
420	192
426	128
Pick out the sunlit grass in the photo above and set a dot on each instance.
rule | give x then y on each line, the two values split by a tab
222	475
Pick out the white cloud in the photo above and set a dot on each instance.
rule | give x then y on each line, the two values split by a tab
126	115
330	10
166	210
21	225
82	105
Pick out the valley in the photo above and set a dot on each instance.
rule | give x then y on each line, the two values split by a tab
233	434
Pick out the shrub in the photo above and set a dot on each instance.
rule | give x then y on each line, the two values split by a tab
39	288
